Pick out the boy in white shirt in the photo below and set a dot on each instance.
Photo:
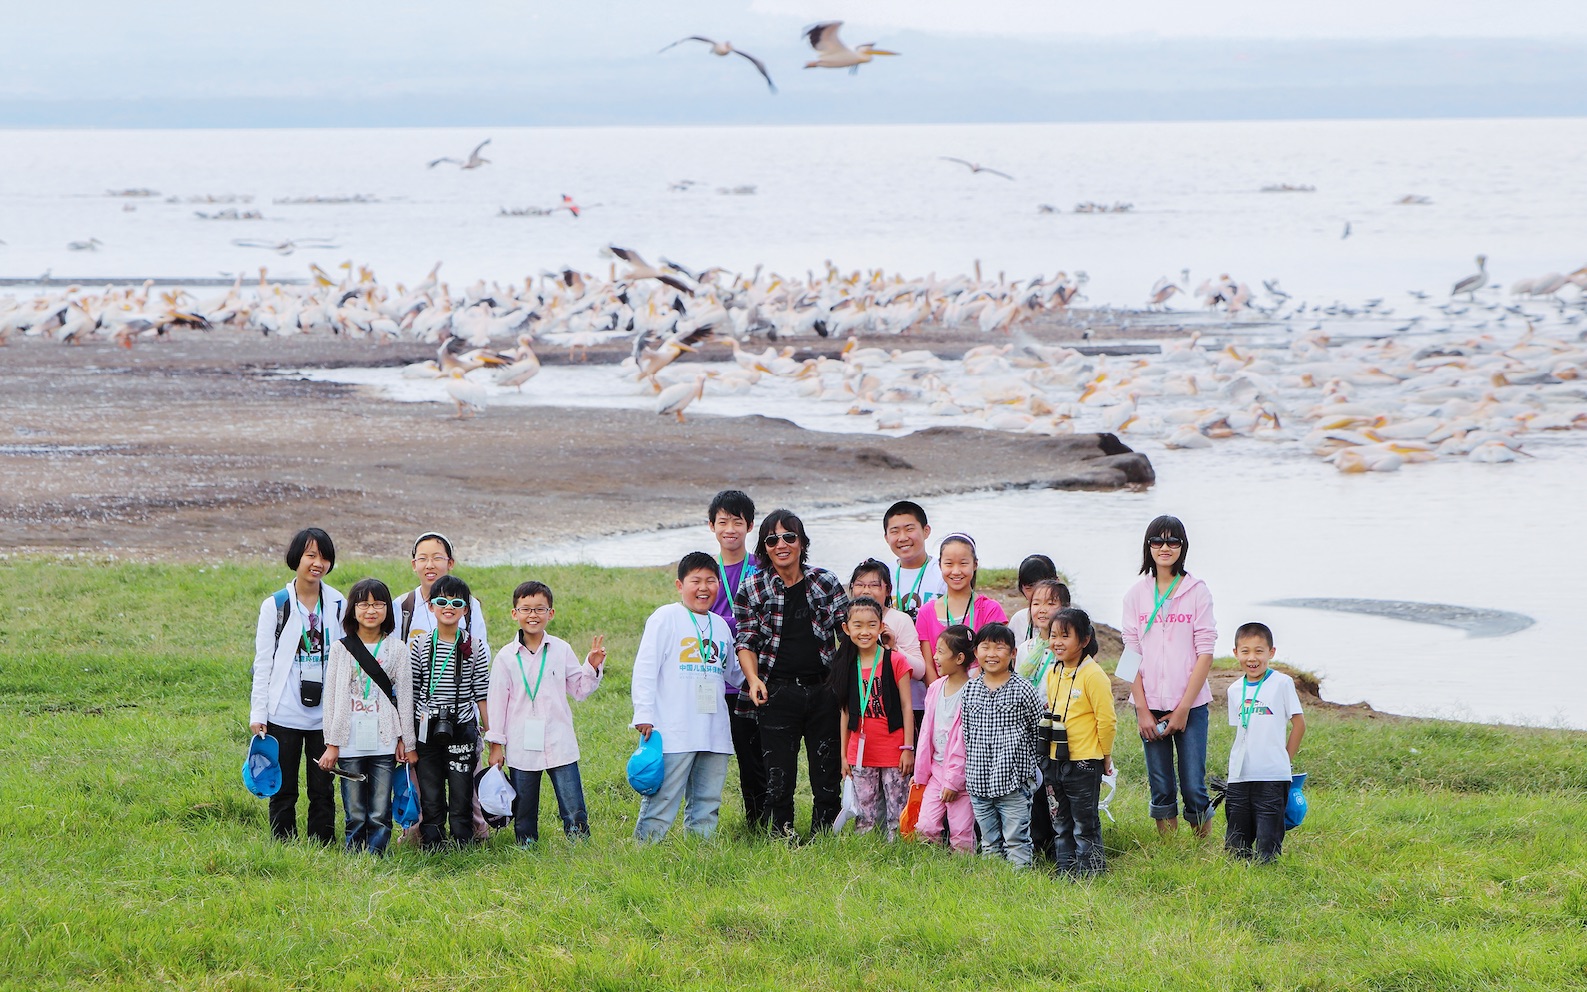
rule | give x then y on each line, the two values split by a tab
1260	770
918	579
685	658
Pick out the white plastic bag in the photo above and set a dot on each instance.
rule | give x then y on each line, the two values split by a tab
850	807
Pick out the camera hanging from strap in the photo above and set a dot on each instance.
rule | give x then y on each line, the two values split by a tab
360	652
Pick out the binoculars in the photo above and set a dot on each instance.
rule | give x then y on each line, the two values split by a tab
1052	737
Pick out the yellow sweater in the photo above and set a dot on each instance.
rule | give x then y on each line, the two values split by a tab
1091	720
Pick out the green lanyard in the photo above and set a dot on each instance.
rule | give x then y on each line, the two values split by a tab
1046	660
1248	706
535	692
1161	599
434	676
706	658
732	593
899	585
376	655
969	608
868	685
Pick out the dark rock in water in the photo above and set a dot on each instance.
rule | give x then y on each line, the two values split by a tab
1477	622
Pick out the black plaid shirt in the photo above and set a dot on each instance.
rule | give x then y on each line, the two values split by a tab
762	600
1000	736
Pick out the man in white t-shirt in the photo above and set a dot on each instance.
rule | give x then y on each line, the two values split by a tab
1265	711
917	579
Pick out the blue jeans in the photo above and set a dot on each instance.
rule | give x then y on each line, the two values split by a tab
569	789
1190	746
697	776
1005	826
368	803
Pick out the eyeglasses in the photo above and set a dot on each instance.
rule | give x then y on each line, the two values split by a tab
431	559
772	540
1157	542
454	603
533	611
369	607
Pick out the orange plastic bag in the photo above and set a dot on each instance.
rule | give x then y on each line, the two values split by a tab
906	823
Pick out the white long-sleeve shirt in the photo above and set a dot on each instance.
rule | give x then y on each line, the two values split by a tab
678	691
275	660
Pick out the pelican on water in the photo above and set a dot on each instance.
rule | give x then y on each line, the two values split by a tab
726	48
833	53
1472	283
974	166
472	162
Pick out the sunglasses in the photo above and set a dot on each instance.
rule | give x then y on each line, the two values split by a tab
772	540
456	604
1157	542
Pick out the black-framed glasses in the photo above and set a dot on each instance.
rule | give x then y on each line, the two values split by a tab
782	537
454	603
533	611
1157	542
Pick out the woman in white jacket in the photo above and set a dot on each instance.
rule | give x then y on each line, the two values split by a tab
291	646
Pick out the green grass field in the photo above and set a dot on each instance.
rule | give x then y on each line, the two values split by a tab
1436	855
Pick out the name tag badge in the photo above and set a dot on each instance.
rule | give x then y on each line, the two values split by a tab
532	733
366	732
1129	665
706	697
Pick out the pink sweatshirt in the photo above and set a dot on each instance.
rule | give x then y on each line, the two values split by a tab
508	704
1184	629
948	768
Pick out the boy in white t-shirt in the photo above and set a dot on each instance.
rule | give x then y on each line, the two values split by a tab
918	579
685	659
1261	706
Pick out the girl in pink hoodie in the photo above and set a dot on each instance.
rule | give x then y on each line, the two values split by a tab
939	749
1168	624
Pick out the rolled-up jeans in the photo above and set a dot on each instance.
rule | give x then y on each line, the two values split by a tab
1189	746
368	803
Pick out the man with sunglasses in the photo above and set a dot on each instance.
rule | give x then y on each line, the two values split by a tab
788	616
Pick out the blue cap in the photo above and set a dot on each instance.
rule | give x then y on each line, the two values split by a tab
404	797
646	768
1295	808
261	769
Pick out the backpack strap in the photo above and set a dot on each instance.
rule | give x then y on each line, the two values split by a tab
408	603
360	652
283	610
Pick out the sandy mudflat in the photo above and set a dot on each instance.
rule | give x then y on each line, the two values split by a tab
191	449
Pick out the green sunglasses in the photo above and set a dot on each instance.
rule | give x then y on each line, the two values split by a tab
443	601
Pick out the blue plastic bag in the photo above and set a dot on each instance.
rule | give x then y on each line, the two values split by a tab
1295	809
404	797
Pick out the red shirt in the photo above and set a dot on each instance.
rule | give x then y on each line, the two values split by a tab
881	745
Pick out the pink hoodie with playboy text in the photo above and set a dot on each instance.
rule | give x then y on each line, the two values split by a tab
1184	629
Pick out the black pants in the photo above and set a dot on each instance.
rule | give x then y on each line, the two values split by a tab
304	746
1041	832
1077	828
751	765
446	792
1255	811
795	713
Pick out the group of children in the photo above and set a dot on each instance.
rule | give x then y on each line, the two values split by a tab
987	731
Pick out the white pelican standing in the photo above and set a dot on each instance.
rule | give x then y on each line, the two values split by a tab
470	397
725	48
833	53
472	162
1471	284
974	167
674	399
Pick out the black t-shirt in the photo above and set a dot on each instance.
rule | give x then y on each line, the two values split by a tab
799	652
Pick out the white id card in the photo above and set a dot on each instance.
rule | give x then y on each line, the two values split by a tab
532	733
1129	665
366	732
706	696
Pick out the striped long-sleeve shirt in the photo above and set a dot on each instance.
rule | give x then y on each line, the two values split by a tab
440	680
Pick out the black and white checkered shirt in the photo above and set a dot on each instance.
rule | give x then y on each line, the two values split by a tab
1000	736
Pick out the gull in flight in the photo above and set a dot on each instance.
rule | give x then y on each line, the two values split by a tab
286	247
974	166
641	269
473	162
725	48
833	53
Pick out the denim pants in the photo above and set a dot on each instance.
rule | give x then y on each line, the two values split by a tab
446	792
368	803
1190	747
569	789
696	776
795	714
302	747
1005	826
1077	827
1255	812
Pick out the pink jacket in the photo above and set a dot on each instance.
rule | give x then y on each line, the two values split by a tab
948	768
1184	629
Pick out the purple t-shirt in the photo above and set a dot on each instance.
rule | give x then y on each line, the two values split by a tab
731	577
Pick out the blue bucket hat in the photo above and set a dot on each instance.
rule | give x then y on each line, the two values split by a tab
646	767
1295	808
261	769
404	798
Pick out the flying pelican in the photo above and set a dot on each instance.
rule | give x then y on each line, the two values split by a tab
726	48
286	247
473	161
974	167
92	244
1471	284
834	54
641	269
674	399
